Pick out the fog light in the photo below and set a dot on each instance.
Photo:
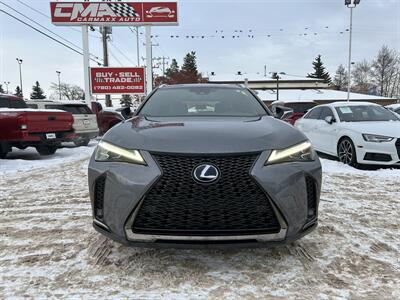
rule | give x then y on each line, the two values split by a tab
24	126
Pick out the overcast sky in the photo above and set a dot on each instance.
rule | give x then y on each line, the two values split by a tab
291	47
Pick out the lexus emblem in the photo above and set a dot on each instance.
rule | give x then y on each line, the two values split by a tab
206	173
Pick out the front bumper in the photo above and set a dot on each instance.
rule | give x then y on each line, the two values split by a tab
387	154
126	186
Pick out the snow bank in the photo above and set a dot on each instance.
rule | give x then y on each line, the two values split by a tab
29	159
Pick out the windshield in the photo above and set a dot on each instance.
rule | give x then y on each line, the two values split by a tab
12	103
73	109
202	101
365	113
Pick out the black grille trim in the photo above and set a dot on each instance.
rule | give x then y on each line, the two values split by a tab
377	157
311	199
398	147
176	205
99	188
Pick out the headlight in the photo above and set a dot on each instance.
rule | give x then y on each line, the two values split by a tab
377	138
111	153
300	152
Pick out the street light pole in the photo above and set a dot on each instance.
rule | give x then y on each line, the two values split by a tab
276	76
350	4
20	75
59	83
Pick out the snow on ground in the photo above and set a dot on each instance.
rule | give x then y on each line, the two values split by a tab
48	247
20	161
336	167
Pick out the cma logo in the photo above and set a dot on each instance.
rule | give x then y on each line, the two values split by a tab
75	10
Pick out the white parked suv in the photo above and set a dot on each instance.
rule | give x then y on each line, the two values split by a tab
85	122
355	132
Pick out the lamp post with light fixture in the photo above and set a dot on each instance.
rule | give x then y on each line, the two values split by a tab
275	75
350	4
20	75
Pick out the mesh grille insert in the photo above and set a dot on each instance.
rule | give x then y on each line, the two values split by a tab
178	205
311	199
99	197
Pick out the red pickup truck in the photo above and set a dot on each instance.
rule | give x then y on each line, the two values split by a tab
22	127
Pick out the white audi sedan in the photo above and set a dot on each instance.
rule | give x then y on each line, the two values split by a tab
355	132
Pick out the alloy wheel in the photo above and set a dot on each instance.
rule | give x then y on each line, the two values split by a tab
346	152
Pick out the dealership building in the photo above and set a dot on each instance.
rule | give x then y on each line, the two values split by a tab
293	88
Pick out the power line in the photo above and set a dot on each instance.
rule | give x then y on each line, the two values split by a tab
113	55
43	14
45	34
33	21
123	54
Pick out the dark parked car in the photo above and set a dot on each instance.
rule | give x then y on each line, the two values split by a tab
204	165
291	111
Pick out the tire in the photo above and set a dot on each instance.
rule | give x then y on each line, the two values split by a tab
3	154
347	152
83	142
46	150
4	150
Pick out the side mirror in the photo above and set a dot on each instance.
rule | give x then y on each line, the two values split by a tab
96	107
286	114
330	120
126	112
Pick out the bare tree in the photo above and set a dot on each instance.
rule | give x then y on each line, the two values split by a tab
385	71
362	77
68	91
341	78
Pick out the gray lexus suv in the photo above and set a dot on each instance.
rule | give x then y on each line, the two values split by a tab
204	166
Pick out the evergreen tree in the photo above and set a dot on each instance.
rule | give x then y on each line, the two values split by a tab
189	64
18	91
126	101
37	92
341	78
2	90
173	69
319	70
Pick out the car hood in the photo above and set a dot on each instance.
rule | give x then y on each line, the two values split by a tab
204	134
386	128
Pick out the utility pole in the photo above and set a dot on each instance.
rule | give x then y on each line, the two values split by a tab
59	83
164	59
20	75
104	33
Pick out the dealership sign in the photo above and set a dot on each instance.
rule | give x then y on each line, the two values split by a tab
117	80
114	13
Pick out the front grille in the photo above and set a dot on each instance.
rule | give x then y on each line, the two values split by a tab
178	205
398	147
99	188
311	199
